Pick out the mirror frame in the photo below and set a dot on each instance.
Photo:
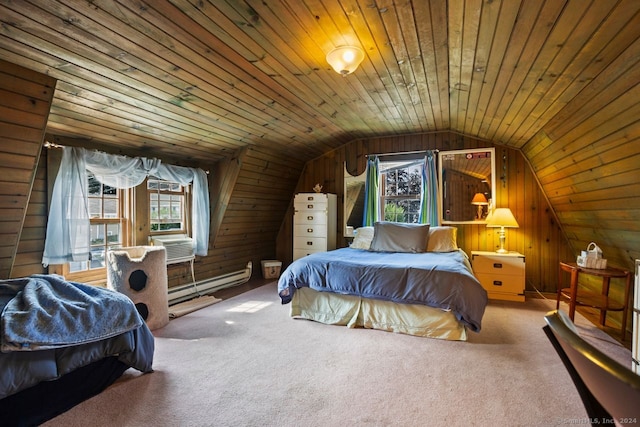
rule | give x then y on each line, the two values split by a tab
441	184
348	232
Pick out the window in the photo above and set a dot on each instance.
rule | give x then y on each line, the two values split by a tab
106	218
112	215
118	217
400	191
166	206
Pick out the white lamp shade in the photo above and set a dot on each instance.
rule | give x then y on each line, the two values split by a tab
502	217
346	59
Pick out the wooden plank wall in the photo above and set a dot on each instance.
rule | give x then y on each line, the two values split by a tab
25	100
586	159
588	165
249	221
29	253
258	201
539	237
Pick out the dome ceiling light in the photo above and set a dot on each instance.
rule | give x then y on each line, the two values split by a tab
345	59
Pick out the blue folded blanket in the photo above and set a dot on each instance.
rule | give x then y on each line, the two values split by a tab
46	311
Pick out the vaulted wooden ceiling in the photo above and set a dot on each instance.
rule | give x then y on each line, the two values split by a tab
204	78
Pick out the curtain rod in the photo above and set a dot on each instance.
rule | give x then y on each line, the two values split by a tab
402	153
48	144
52	145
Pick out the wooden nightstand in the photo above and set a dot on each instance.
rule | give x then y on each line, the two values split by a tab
501	275
601	301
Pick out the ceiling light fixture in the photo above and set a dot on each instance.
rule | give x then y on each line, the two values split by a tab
345	59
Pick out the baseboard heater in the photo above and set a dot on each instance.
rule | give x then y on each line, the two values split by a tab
192	290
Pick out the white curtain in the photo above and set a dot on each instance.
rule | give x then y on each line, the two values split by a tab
68	228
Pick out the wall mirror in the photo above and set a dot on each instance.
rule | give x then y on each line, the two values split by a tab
467	185
353	201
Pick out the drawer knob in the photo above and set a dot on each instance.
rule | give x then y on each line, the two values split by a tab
309	230
309	206
310	198
309	243
310	218
497	283
497	265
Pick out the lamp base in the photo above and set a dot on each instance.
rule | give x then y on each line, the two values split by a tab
502	237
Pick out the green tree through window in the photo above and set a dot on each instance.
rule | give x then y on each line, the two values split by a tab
166	205
401	191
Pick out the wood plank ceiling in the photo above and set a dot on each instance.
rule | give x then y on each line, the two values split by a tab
205	78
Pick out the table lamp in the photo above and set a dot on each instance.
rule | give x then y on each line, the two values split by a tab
480	200
502	217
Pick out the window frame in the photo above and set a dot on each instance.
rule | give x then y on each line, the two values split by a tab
126	221
186	206
135	228
383	197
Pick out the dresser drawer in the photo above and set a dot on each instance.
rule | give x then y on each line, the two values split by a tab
502	265
301	253
309	218
311	197
309	243
501	284
311	202
310	230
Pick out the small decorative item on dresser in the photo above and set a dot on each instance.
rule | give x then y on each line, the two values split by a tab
317	188
592	258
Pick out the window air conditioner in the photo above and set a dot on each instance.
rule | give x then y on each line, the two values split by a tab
179	247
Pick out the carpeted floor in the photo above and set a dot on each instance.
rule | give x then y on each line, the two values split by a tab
244	362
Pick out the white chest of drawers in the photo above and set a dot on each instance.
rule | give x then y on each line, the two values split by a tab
501	275
314	223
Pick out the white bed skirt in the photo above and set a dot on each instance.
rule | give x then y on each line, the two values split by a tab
353	311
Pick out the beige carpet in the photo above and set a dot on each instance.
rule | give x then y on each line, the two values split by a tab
244	362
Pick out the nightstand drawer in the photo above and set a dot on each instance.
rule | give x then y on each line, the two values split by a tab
502	265
501	284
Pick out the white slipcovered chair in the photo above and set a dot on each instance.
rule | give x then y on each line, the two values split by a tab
140	272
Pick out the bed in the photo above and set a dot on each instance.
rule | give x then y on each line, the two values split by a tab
401	278
62	342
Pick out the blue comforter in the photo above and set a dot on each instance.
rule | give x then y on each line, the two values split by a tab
441	280
50	327
46	311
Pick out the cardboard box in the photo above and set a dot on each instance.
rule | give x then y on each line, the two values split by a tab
271	268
